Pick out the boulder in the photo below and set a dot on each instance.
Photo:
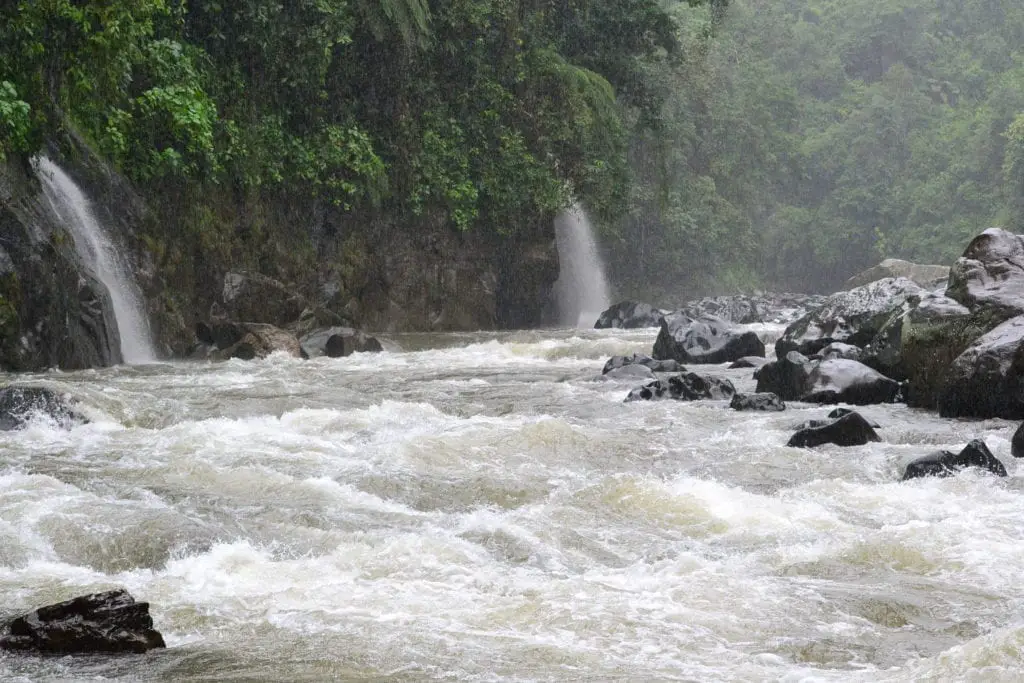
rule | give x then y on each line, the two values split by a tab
110	622
741	310
990	274
1017	442
629	315
337	342
945	464
249	341
849	430
260	299
764	402
786	377
986	380
924	275
640	359
628	372
748	362
847	381
684	387
20	404
841	351
704	340
853	317
837	413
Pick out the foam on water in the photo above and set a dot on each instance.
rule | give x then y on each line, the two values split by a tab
487	512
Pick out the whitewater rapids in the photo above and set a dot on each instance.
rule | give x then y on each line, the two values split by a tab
479	507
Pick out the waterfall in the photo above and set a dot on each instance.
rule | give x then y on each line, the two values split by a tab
581	289
100	257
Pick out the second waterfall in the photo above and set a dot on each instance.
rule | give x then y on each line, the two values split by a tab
103	260
581	290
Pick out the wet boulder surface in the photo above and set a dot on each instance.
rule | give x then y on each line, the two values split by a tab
640	359
684	387
19	404
851	429
111	622
629	315
338	342
946	464
990	274
704	340
987	379
798	378
766	402
852	317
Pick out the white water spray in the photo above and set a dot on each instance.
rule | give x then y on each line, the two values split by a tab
581	289
101	258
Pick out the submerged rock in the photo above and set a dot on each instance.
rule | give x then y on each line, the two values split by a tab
628	372
18	405
685	387
337	342
629	315
945	464
765	402
640	359
704	340
110	622
849	430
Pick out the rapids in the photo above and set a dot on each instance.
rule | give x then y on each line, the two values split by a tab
481	507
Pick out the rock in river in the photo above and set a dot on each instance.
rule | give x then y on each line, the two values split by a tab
765	402
629	315
19	404
685	387
946	464
849	430
110	622
704	340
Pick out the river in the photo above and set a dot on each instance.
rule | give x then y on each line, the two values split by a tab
478	507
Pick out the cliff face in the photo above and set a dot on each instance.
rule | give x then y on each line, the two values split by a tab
188	247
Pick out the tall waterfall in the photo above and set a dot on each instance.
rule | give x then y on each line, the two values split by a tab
102	259
581	290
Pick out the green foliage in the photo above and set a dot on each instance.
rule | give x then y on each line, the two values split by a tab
15	122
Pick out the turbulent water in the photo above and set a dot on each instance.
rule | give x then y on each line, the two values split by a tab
582	289
101	258
480	507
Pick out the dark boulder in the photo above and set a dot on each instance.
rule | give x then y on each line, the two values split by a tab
987	379
245	341
704	340
837	413
847	381
765	402
852	317
18	405
990	274
640	359
849	430
110	622
337	342
685	387
629	315
1017	442
786	377
945	464
748	362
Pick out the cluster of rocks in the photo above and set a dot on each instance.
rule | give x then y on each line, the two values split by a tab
239	325
741	309
111	622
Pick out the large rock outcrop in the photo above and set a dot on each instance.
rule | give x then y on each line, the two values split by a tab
108	623
798	378
704	340
927	276
990	274
987	379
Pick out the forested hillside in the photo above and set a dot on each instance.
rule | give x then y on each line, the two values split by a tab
809	139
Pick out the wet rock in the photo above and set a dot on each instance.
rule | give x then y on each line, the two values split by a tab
1017	442
640	359
629	315
837	413
853	317
704	340
337	342
945	464
849	430
847	381
628	372
764	402
19	404
684	387
248	341
990	274
841	351
786	377
987	379
741	310
110	622
260	299
927	276
748	362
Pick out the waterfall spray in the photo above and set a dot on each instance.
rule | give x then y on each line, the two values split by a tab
581	289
